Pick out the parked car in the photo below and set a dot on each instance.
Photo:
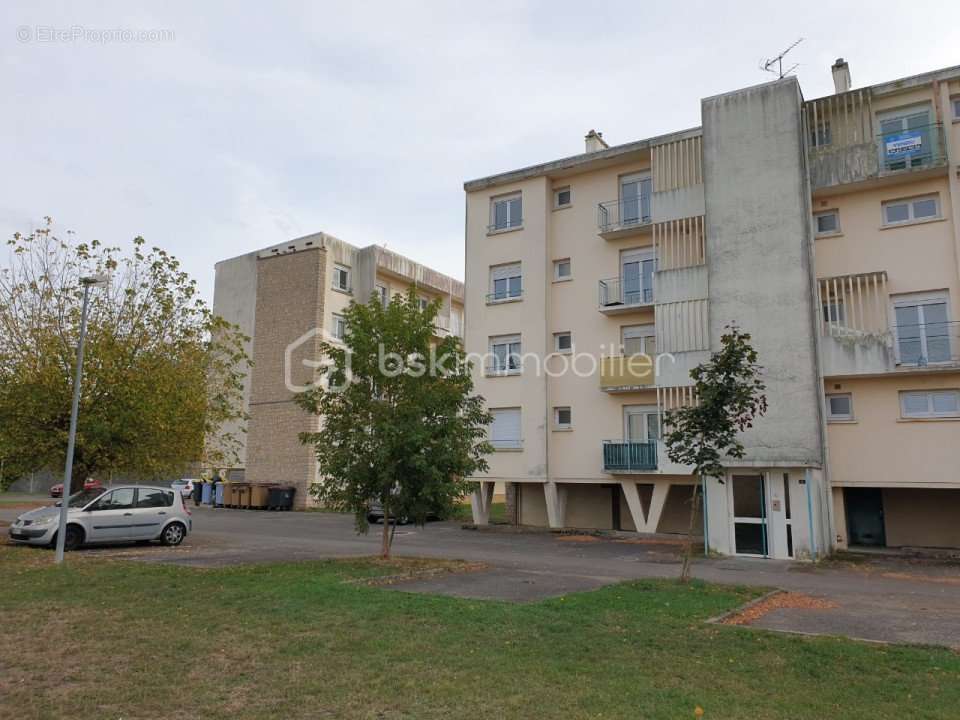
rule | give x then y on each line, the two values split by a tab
375	515
185	487
91	484
121	514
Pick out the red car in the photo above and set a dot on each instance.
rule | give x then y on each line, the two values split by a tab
91	484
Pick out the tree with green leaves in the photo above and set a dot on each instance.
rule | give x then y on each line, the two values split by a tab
161	375
399	423
729	395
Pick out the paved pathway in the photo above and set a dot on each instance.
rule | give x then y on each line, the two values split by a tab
886	600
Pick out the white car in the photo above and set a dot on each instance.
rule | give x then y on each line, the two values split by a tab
185	487
120	514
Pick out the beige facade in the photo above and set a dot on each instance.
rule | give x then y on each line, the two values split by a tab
287	299
808	223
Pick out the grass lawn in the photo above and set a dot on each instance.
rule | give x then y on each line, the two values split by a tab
296	641
498	513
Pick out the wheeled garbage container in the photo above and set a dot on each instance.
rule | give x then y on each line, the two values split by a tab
280	498
241	495
259	495
207	497
218	494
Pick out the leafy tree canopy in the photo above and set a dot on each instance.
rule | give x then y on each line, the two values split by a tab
161	376
399	423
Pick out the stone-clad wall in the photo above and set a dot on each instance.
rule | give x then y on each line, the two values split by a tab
290	292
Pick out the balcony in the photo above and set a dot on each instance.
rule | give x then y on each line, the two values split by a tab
445	325
621	218
620	295
627	373
885	157
504	296
621	456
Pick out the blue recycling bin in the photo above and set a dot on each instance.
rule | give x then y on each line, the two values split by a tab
218	494
206	496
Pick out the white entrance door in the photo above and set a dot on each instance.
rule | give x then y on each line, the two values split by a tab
750	533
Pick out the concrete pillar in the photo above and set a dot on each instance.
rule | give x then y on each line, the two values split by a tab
556	497
511	497
480	501
646	522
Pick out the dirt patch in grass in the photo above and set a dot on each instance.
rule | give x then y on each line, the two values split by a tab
776	601
419	570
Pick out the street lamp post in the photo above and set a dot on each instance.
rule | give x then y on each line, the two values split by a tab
88	284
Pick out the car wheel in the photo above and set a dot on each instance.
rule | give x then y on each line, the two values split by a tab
173	534
73	539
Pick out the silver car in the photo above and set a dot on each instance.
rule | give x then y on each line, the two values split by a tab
119	514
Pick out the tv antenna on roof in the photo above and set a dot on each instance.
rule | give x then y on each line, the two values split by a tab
775	64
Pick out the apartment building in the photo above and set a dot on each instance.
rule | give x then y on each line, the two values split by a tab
287	299
825	228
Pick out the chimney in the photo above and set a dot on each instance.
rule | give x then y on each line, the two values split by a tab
841	76
594	141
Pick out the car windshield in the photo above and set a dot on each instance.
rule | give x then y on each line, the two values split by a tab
78	500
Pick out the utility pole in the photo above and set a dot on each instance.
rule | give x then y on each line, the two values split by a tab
88	284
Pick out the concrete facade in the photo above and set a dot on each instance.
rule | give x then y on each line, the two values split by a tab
733	216
286	298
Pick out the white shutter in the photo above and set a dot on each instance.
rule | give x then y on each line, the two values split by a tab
502	272
505	428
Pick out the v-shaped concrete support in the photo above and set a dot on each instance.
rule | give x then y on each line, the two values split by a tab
480	501
646	522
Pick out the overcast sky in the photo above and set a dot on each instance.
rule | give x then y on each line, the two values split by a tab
260	122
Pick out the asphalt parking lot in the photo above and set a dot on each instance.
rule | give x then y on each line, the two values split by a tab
892	600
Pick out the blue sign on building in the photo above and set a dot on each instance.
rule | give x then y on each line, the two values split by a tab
903	145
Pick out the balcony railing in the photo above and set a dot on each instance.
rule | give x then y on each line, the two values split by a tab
615	216
627	456
914	149
503	296
619	292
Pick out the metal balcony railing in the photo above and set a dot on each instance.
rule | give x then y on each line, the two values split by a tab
625	456
620	292
913	149
633	212
925	344
504	295
503	366
505	224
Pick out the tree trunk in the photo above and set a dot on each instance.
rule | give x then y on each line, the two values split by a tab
688	546
385	538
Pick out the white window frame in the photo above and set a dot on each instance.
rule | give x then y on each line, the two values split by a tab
955	104
919	301
338	326
646	411
506	273
341	272
637	332
557	205
512	354
507	443
911	217
557	424
833	311
512	223
930	412
422	302
384	294
839	417
557	277
825	213
556	342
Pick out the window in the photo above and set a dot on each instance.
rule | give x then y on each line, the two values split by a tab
833	312
930	404
635	192
563	342
562	197
152	498
339	326
904	211
341	278
908	138
506	212
639	339
840	407
641	423
635	284
956	107
562	269
120	499
828	222
562	418
820	135
505	355
505	428
422	302
506	282
922	329
383	294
